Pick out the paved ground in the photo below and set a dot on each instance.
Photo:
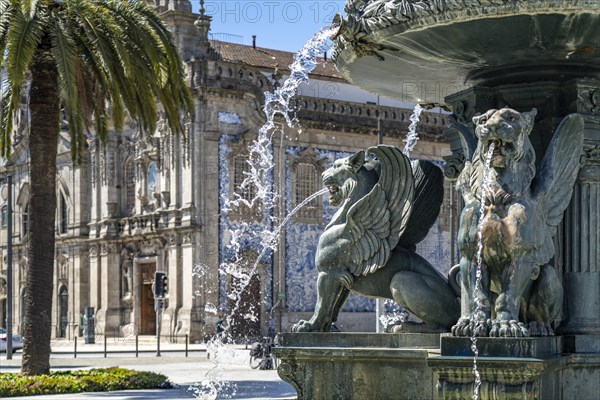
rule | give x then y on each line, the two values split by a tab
237	379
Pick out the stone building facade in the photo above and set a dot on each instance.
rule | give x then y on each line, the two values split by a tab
148	201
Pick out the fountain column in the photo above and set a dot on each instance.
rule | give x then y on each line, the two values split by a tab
581	231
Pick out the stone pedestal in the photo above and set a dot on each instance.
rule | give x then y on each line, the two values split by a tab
516	368
357	365
324	366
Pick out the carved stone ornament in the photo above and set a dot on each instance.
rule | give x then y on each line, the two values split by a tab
365	16
93	250
62	261
517	211
459	111
309	156
2	287
127	275
148	248
454	165
387	206
589	100
592	155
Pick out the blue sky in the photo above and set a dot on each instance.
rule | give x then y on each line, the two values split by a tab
282	25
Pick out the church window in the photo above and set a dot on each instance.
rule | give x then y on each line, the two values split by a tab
4	212
306	184
64	215
241	169
25	220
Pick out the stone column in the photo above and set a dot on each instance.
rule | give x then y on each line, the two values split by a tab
94	274
191	295
581	227
109	314
81	283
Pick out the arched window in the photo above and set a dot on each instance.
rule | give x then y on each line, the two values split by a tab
25	220
64	215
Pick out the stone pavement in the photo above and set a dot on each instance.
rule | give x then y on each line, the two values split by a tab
229	366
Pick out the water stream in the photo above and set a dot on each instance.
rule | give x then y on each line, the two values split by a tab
478	315
412	137
261	165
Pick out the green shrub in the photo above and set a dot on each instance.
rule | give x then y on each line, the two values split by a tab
75	381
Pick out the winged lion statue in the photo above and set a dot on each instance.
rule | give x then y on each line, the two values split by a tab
520	292
386	206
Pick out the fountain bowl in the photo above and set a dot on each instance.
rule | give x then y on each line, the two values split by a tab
425	55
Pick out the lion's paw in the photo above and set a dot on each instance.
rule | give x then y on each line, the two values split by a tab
469	327
307	326
511	328
539	328
302	326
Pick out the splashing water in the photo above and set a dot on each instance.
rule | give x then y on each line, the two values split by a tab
412	137
478	314
261	164
395	317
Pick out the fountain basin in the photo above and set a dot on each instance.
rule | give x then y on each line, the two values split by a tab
324	366
358	365
430	54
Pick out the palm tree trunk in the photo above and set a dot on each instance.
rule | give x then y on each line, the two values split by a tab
43	138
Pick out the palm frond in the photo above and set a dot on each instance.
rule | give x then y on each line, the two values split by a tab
6	121
6	10
106	62
23	37
175	84
113	58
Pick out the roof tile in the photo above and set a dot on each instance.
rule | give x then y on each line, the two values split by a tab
269	58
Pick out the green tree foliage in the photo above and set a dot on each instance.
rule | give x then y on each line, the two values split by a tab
97	62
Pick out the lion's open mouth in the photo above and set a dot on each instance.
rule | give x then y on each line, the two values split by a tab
502	150
334	195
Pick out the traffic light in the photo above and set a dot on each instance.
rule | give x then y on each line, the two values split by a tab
160	284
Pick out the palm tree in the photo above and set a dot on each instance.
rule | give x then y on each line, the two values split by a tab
94	61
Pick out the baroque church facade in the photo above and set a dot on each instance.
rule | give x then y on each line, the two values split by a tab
143	202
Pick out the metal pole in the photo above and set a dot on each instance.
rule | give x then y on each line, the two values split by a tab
136	345
105	343
187	341
158	320
75	348
9	278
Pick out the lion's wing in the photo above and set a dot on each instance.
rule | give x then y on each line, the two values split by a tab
376	221
427	201
552	186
